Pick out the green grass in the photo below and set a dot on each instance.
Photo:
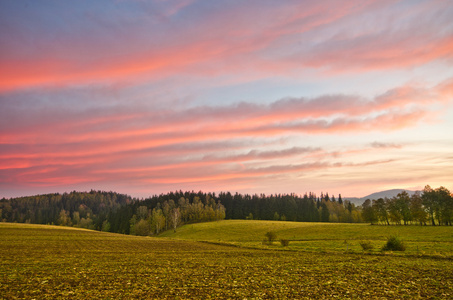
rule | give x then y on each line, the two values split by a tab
326	237
49	262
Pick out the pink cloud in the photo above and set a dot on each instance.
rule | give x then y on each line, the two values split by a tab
86	134
73	106
209	46
378	53
205	144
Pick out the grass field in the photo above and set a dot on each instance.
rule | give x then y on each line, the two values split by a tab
326	237
48	262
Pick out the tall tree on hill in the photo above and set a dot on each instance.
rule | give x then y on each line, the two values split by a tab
394	211
368	212
430	201
324	212
349	206
175	218
380	208
166	210
403	203
445	201
142	212
314	212
157	220
418	212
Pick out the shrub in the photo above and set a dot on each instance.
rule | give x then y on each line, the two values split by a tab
366	245
394	244
284	242
270	236
142	228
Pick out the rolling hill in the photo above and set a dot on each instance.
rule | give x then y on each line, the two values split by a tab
375	196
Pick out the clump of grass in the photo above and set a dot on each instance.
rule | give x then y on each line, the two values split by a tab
394	243
366	245
284	242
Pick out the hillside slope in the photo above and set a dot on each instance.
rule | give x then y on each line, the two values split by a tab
374	196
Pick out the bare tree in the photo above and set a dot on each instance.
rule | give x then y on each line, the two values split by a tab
175	218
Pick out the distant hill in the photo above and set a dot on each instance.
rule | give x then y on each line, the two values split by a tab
375	196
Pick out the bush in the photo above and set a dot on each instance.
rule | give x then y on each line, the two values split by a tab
394	244
142	228
271	236
284	242
366	245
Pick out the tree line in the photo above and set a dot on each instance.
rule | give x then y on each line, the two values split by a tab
119	213
79	209
431	206
290	207
113	212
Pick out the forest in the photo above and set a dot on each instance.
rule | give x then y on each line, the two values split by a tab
113	212
119	213
290	207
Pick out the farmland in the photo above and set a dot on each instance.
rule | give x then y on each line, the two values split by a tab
49	262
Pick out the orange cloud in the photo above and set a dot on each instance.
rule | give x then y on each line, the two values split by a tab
93	136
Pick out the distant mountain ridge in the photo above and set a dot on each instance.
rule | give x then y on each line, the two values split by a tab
382	194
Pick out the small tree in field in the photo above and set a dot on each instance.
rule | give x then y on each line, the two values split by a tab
271	236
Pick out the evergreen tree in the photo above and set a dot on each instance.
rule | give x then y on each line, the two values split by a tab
324	212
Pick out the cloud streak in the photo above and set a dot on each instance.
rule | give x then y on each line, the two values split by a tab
216	45
205	144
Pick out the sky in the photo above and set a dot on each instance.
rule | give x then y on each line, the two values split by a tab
147	97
